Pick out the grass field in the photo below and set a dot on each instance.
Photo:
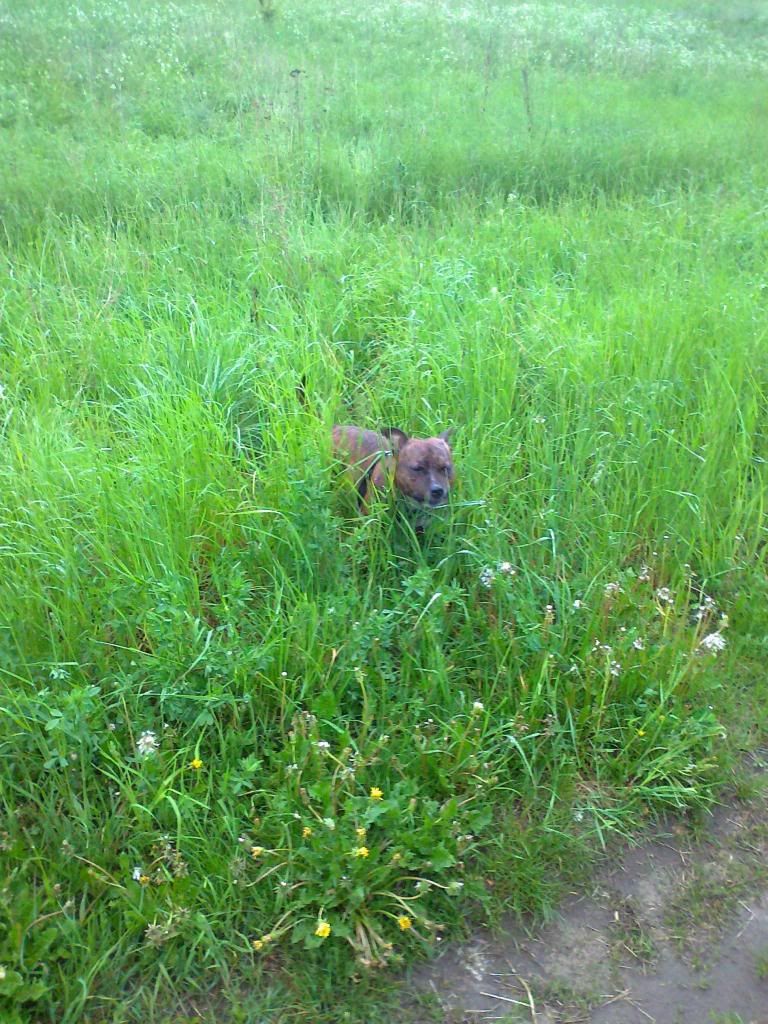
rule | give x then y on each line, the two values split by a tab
254	747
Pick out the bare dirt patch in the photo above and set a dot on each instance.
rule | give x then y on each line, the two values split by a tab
675	932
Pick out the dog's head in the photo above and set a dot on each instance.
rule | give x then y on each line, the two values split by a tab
424	467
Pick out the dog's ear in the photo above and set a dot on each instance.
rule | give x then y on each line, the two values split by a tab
447	435
398	438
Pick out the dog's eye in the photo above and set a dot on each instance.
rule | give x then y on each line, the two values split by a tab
417	469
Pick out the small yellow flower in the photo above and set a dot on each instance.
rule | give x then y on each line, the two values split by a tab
396	858
323	930
306	832
361	851
376	793
361	832
641	732
143	879
259	944
196	764
256	852
404	922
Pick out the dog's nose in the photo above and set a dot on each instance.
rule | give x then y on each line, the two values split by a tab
436	493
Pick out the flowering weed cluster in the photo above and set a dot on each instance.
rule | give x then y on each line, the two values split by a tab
347	861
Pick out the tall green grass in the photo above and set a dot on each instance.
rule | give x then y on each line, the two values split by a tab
210	664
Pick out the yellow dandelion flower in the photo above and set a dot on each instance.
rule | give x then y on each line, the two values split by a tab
143	879
641	732
361	832
256	852
258	945
396	858
196	764
306	832
376	793
404	922
361	851
323	930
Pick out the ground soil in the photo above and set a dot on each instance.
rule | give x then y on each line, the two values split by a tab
675	931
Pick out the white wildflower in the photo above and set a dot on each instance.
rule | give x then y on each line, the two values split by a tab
577	604
136	874
507	568
713	643
645	574
478	707
612	589
664	594
638	643
705	608
487	576
615	668
147	744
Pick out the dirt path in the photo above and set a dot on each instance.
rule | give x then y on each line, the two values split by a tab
674	933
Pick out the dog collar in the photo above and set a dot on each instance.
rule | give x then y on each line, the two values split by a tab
365	479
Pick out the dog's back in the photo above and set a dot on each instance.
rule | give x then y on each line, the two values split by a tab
368	456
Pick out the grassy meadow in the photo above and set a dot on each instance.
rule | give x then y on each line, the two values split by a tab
260	754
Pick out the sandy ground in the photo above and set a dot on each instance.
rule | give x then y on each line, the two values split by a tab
675	931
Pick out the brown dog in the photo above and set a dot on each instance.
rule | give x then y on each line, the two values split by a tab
420	469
